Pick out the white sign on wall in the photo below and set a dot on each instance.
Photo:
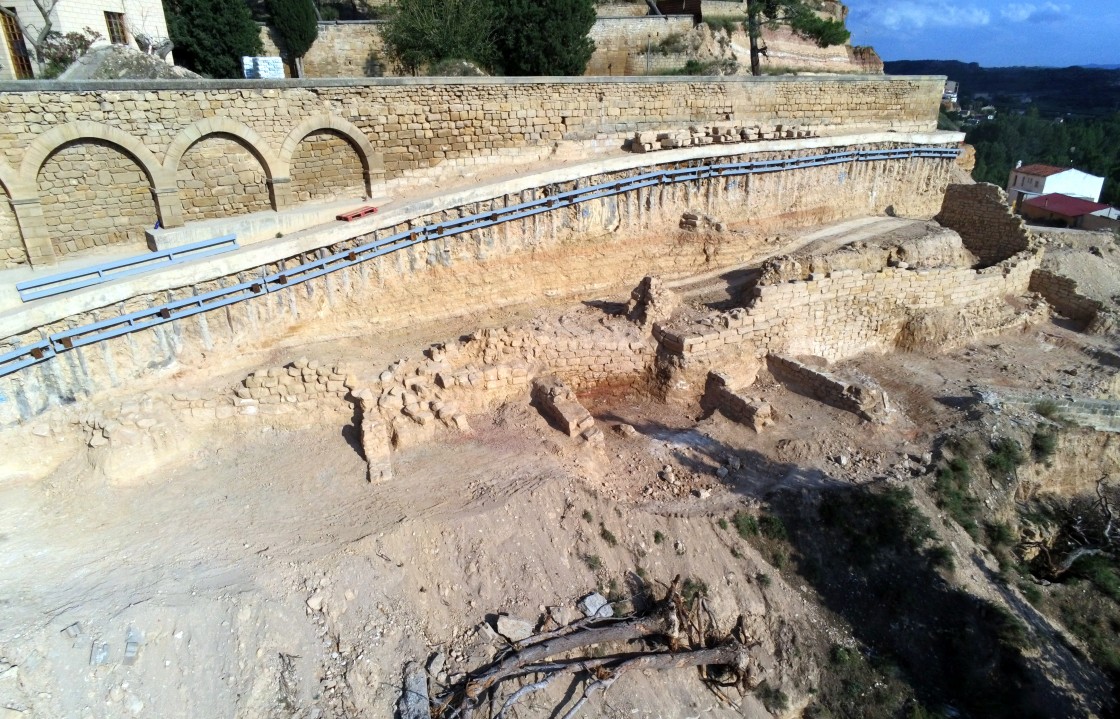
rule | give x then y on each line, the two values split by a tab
263	68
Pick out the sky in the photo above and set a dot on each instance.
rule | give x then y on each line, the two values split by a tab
994	33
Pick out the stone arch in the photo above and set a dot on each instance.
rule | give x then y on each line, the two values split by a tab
94	192
222	168
249	138
49	142
334	126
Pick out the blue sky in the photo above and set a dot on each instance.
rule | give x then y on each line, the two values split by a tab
990	32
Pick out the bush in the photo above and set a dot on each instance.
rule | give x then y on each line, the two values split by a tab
211	36
593	562
1006	455
1097	569
1043	444
723	23
941	556
538	38
722	523
60	51
1047	408
772	698
658	537
954	495
587	516
745	524
763	580
608	536
773	528
672	44
693	589
418	33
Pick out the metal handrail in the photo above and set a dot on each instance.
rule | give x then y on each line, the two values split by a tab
84	335
52	285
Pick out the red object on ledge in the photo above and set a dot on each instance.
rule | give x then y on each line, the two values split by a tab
355	214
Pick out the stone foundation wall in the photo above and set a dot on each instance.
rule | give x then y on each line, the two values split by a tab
982	217
93	195
342	49
326	167
866	402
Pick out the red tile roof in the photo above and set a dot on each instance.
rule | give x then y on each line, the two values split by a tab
1040	170
1065	205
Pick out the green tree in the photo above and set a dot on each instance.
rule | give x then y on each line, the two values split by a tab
296	26
799	16
545	37
421	34
211	36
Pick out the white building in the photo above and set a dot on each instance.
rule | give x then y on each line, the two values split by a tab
1027	181
117	21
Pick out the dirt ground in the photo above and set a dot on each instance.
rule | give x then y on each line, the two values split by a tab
260	575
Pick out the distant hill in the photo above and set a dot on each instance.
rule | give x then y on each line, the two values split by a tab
1078	91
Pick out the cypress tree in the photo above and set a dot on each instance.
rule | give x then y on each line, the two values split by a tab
296	26
545	37
211	36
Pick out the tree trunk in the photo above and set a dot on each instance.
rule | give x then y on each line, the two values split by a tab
754	32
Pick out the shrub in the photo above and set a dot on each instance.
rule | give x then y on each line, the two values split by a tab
722	524
772	698
672	44
593	562
658	537
941	556
723	23
587	517
1006	455
693	589
60	51
608	536
763	580
773	527
1043	444
953	488
1099	570
211	36
1047	408
745	524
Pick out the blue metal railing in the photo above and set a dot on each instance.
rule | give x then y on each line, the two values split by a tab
64	282
84	335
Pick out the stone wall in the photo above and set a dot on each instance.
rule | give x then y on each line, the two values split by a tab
989	227
1101	415
621	43
400	130
219	177
326	167
843	313
869	403
92	195
342	49
583	251
1061	293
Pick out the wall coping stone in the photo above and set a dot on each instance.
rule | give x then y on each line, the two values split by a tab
313	83
49	310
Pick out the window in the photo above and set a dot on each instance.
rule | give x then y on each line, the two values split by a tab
118	33
17	49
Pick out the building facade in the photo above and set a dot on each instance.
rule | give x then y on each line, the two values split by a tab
116	21
1029	181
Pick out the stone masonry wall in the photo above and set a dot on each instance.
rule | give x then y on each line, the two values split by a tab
1061	293
982	217
846	312
342	49
94	195
621	43
402	129
326	167
218	177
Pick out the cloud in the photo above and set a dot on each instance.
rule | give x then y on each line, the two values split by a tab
914	15
1046	12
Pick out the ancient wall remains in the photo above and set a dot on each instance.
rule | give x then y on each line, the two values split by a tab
846	312
622	44
1061	293
982	217
86	146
